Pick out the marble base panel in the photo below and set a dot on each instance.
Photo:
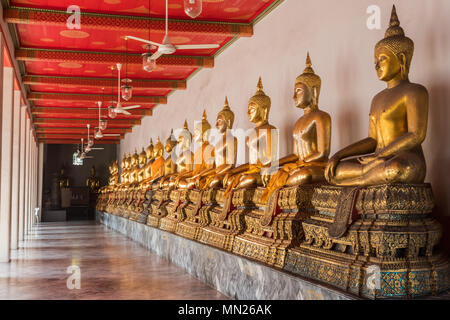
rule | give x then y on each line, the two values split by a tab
232	275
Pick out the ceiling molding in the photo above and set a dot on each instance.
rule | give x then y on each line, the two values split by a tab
47	96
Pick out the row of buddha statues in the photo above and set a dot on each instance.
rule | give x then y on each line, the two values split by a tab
325	218
92	182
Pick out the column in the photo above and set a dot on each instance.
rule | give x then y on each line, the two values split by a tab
27	177
23	141
40	178
15	171
6	163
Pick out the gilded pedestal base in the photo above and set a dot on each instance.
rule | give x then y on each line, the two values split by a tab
157	208
224	227
197	215
392	235
267	238
175	210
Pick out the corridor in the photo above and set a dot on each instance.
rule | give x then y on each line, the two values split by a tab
111	267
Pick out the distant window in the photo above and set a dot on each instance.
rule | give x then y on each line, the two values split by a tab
76	161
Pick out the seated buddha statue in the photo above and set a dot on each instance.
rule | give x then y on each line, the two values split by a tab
92	182
262	144
157	166
122	167
142	161
312	135
184	162
203	155
392	153
64	181
134	167
148	166
170	162
225	151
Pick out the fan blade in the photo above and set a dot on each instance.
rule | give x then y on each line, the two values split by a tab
156	55
97	148
197	46
126	112
111	134
145	41
88	157
131	107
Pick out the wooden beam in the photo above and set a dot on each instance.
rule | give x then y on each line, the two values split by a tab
72	136
84	111
109	58
45	96
74	141
121	131
131	24
81	123
101	82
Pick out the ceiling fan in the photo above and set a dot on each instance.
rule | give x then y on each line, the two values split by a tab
166	47
118	108
102	126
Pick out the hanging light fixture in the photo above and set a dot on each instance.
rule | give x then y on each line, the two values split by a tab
102	124
83	155
111	112
148	64
127	89
90	142
192	8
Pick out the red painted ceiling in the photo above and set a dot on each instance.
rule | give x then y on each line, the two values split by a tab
219	22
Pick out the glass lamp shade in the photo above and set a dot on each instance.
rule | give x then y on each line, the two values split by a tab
83	155
98	134
127	92
148	64
90	143
103	124
111	112
193	8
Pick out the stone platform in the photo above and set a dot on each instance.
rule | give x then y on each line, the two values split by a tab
232	275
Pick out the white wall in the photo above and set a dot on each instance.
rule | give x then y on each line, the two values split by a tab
341	48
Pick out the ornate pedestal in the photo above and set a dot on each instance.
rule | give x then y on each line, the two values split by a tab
144	207
226	224
271	228
196	218
157	208
385	243
175	210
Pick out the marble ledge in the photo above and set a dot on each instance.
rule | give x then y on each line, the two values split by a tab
232	275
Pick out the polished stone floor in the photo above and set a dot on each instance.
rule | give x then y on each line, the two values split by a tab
111	267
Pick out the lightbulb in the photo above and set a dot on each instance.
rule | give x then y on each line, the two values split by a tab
193	8
148	64
127	90
103	124
90	143
111	113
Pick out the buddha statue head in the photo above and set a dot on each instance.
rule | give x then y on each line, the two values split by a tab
225	118
185	137
142	158
202	129
307	87
128	162
394	53
62	171
158	150
149	150
259	105
123	162
171	142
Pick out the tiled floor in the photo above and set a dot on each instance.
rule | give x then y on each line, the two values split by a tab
111	267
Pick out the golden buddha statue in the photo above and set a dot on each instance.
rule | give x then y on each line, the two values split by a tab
184	162
203	155
157	168
93	182
142	161
398	123
64	181
148	166
262	144
122	168
312	136
169	164
134	167
225	151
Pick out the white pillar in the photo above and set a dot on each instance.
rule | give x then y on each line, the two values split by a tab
27	178
41	178
6	162
15	171
23	140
